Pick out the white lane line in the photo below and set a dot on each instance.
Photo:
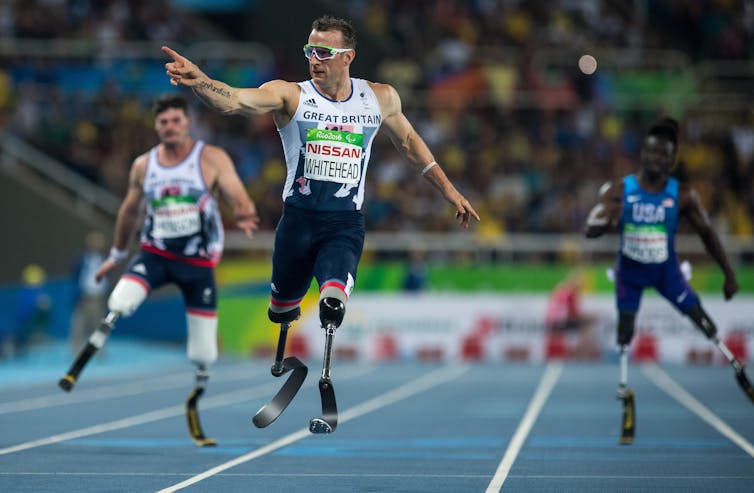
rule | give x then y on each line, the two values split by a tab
406	390
93	394
209	402
115	474
114	390
546	384
261	475
674	390
139	419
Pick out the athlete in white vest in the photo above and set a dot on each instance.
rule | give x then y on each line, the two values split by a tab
327	126
325	169
181	238
182	220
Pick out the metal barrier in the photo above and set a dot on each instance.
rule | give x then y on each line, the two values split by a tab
68	49
501	248
17	152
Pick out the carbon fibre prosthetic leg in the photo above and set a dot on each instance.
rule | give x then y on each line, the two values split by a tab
192	411
273	409
331	313
94	344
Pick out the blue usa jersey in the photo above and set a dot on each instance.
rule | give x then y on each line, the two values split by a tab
649	222
647	255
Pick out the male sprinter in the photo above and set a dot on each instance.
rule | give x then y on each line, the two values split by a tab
646	208
181	238
327	125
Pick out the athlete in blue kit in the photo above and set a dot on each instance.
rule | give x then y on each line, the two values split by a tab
327	125
646	208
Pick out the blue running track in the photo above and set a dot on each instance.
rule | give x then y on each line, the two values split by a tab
404	427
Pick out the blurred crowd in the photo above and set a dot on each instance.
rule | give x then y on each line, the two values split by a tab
492	85
103	22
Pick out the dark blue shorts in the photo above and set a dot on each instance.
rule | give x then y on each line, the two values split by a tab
197	283
321	245
633	277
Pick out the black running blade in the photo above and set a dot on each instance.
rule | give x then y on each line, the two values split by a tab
629	419
745	384
273	409
192	419
329	420
69	380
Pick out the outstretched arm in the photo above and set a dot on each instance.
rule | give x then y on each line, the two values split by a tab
128	214
606	213
414	150
273	96
232	189
692	209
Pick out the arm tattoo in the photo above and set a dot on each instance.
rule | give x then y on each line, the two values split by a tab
213	88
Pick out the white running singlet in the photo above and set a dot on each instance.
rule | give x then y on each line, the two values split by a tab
327	146
182	220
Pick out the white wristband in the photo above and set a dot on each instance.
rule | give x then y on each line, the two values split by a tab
596	216
429	167
117	256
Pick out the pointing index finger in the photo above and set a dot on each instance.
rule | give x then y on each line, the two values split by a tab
172	53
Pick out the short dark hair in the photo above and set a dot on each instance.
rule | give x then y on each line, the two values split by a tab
330	23
169	101
666	128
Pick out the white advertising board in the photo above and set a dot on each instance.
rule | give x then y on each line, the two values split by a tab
512	327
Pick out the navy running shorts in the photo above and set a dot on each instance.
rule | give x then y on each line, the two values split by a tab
321	245
633	277
196	283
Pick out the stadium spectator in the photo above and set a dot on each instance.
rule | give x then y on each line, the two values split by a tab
572	131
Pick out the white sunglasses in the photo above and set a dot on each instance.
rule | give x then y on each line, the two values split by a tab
323	52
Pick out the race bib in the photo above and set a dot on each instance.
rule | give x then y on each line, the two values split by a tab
175	217
332	155
645	243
